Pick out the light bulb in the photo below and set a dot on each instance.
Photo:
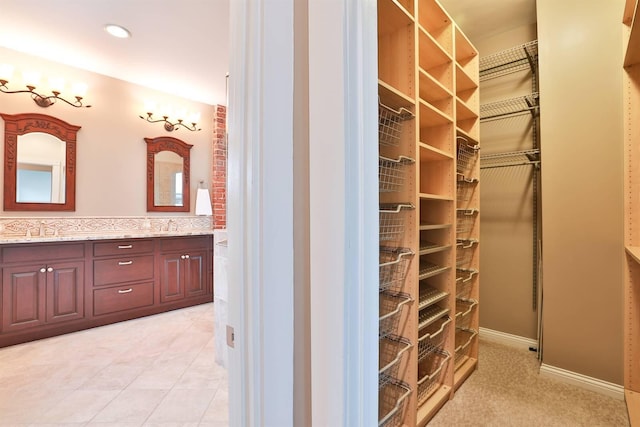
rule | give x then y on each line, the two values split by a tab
79	90
6	72
56	84
31	78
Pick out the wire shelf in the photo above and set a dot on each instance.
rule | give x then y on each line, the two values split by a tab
464	337
390	124
518	58
394	263
392	221
464	307
465	220
391	173
432	337
429	315
390	311
427	247
429	295
391	402
467	156
428	269
527	104
464	252
431	371
465	188
390	350
513	158
464	275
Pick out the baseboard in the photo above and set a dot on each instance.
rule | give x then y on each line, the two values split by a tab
589	383
508	339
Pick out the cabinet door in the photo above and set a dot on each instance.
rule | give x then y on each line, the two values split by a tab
171	281
65	291
23	297
196	273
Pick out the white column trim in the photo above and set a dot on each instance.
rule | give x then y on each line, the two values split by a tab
344	212
260	212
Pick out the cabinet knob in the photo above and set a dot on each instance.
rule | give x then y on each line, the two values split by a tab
181	256
50	269
43	270
186	256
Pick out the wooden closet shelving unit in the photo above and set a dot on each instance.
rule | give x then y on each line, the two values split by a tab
631	20
429	79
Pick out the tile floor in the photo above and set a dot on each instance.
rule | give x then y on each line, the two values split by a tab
154	371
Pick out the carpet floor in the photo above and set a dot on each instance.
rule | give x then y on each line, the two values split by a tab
506	390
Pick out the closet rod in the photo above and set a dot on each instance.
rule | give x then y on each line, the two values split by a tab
506	165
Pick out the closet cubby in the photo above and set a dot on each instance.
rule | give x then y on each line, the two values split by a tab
631	21
428	78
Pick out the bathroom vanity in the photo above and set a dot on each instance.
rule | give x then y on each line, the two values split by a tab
53	286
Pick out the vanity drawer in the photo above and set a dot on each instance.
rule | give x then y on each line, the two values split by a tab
123	269
122	298
42	252
124	247
185	243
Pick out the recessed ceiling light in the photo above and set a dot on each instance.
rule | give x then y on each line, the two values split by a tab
117	31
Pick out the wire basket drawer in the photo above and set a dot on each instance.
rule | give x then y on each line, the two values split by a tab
465	220
390	350
392	221
394	264
432	337
390	124
464	337
392	399
464	189
390	312
464	275
463	289
431	370
467	157
464	252
391	173
463	312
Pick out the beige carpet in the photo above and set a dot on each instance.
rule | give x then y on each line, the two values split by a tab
506	390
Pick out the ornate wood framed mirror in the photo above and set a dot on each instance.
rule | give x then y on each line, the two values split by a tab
168	170
39	163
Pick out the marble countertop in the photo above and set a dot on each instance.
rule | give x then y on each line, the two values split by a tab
80	236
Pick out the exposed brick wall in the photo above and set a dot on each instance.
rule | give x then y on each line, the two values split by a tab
219	172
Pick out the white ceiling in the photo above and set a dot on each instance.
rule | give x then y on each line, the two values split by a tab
177	46
479	19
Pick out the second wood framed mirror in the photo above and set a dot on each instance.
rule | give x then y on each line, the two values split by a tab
168	170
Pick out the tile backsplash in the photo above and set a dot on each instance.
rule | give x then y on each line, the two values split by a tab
69	226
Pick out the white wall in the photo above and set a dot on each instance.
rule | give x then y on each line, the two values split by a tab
580	52
111	152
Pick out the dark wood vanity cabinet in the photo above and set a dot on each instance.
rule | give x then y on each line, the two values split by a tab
123	275
184	269
42	286
54	288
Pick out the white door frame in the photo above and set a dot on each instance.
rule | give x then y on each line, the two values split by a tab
343	206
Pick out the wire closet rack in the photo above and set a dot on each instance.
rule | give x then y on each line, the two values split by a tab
526	104
518	58
513	158
391	173
392	221
390	124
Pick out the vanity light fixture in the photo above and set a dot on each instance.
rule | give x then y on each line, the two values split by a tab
171	126
32	79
